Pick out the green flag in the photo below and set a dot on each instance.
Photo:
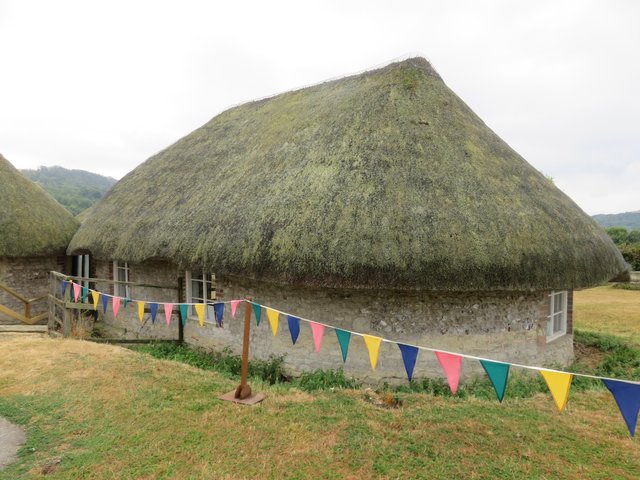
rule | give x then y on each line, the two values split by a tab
343	338
498	373
257	310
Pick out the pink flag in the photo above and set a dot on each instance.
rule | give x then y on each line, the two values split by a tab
234	306
115	306
451	365
318	332
168	308
76	291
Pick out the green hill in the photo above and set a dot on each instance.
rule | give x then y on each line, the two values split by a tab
628	220
76	190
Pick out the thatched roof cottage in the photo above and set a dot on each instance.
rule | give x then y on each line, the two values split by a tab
35	231
379	203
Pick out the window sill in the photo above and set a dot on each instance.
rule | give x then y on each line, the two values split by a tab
556	336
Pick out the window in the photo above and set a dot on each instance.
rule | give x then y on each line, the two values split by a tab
557	325
200	290
121	274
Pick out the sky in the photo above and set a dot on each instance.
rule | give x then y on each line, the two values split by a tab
103	85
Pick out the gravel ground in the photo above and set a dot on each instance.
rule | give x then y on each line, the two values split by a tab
11	437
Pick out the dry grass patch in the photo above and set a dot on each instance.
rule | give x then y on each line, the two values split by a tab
608	310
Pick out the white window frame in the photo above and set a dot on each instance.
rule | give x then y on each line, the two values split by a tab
205	278
119	289
82	269
560	315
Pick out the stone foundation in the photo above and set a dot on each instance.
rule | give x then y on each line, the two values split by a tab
504	326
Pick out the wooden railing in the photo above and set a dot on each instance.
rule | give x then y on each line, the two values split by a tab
65	313
26	317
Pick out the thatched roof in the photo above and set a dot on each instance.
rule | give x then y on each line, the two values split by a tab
381	180
32	223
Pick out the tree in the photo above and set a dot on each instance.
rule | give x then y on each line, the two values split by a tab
619	235
634	236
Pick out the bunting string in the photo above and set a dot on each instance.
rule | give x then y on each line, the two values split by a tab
438	350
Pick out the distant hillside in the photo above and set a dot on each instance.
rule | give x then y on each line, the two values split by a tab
628	220
76	190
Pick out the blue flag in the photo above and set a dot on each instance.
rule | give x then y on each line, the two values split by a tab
184	312
343	340
294	327
409	356
257	310
105	303
153	308
63	287
498	373
627	396
219	311
85	293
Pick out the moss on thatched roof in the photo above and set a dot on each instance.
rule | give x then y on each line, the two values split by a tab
32	223
381	180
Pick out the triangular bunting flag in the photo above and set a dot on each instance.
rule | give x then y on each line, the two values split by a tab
451	365
141	311
294	327
234	307
84	294
627	396
125	302
318	332
63	287
115	306
273	315
257	310
153	309
76	292
498	373
105	303
343	340
168	309
218	308
96	298
373	345
559	384
409	356
200	312
184	313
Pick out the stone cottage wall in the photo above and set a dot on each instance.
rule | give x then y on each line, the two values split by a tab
30	278
501	326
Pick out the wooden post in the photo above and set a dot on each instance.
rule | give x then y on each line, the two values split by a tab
244	390
66	323
242	393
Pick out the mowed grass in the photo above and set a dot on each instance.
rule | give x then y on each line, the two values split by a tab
608	310
99	411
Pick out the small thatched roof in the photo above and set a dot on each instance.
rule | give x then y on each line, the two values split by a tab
381	180
32	223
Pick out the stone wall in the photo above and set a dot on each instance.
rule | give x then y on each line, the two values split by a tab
30	278
502	326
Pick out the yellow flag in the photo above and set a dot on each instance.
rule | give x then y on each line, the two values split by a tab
272	315
200	313
373	345
559	384
96	298
140	310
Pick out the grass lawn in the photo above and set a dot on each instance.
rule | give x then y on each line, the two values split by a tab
100	411
608	310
